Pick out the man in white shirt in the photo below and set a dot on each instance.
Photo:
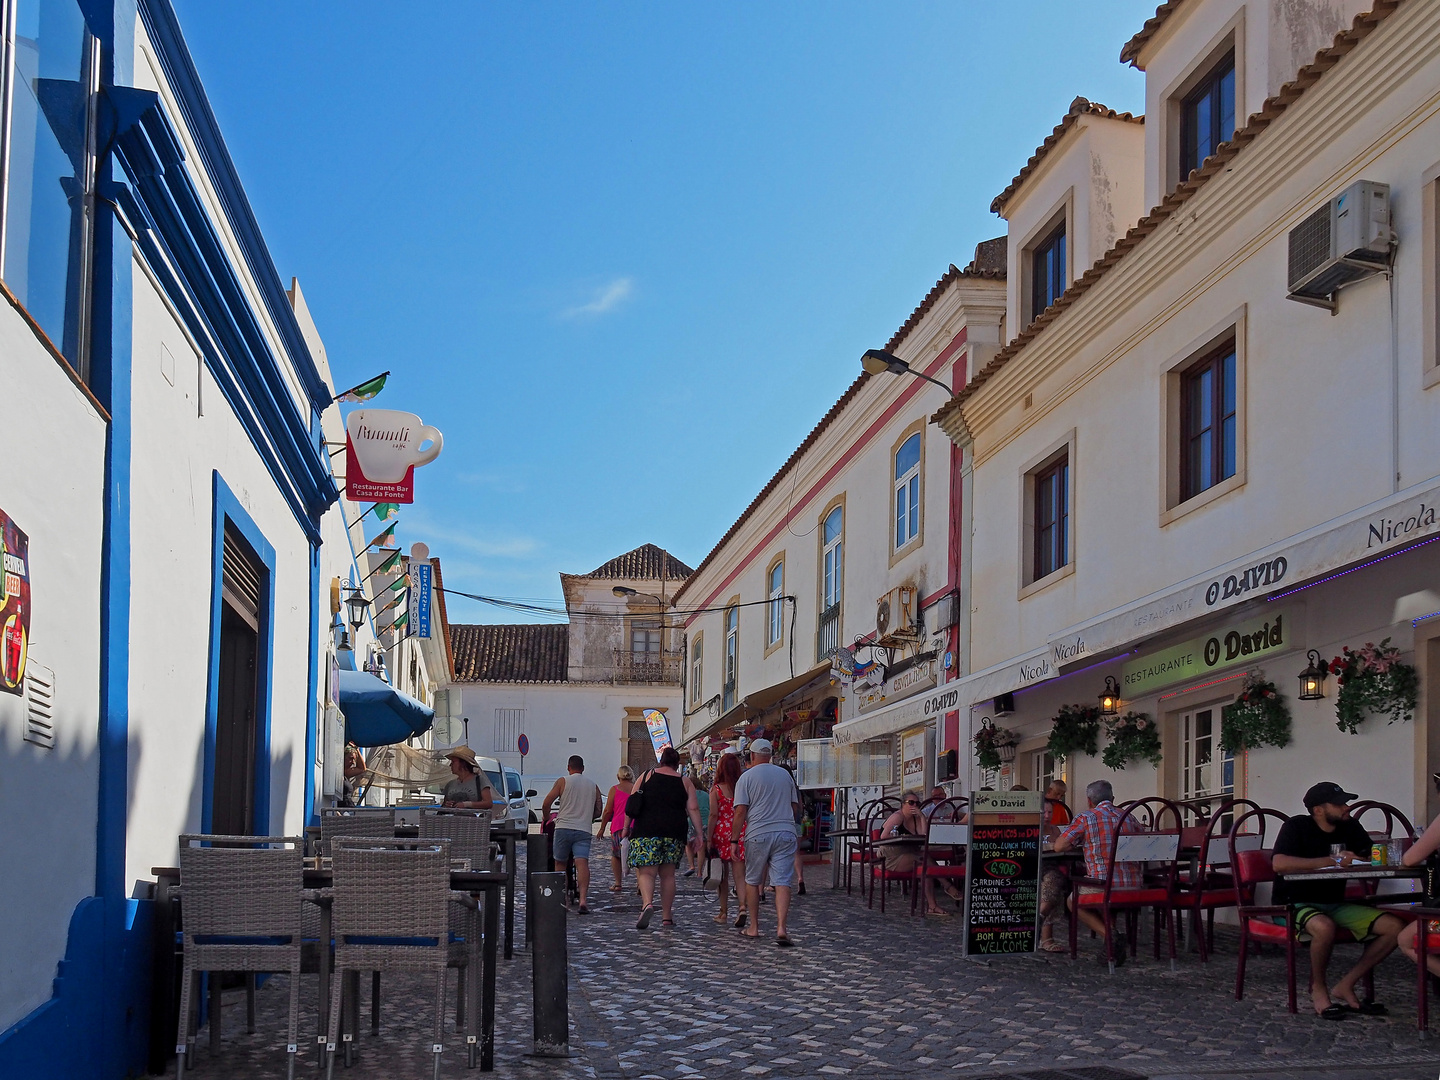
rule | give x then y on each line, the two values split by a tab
766	804
580	804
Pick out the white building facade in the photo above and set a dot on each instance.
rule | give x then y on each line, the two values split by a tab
851	555
581	687
1182	477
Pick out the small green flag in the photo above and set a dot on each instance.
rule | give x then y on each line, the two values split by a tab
366	390
385	540
401	621
399	583
385	567
384	511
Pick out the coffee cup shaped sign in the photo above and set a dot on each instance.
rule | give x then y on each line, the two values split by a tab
388	443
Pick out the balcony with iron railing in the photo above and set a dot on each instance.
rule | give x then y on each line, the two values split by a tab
636	666
827	633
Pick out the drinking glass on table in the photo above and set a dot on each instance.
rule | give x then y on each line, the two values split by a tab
1337	852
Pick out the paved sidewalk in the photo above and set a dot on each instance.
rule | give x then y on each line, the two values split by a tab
866	995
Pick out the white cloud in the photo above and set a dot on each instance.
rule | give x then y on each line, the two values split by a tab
512	547
606	299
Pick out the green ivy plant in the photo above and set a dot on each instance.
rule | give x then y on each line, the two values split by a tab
1258	717
1075	730
1373	681
1133	737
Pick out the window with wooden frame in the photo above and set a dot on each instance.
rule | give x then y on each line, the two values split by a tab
907	492
1207	115
1208	421
1051	545
832	581
1048	270
697	669
732	656
775	610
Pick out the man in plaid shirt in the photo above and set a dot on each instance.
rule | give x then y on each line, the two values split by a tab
1095	829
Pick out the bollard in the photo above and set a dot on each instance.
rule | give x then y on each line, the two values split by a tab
545	915
537	861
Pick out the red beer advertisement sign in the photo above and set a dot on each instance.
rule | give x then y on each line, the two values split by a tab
14	605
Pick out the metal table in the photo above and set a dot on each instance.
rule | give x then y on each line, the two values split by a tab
1360	872
841	853
509	838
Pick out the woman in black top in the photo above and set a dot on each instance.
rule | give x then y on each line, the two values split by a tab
657	832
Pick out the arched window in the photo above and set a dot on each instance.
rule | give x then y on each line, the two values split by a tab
732	657
834	557
832	582
775	592
907	491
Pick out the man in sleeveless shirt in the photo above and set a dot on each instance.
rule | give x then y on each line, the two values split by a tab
580	804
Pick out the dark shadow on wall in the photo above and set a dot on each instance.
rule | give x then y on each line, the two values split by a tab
48	799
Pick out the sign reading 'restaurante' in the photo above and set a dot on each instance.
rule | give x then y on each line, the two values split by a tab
382	448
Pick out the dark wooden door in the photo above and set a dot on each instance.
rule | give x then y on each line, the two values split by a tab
232	809
639	750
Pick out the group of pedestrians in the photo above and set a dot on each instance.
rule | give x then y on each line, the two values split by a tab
746	821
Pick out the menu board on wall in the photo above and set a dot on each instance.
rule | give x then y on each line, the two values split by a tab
1002	873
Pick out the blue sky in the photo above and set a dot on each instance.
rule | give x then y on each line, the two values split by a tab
625	255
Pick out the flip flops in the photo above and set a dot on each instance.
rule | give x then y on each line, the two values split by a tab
583	909
783	941
646	914
1052	946
740	921
1367	1008
667	924
1334	1011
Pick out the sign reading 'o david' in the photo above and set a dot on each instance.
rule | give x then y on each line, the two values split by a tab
382	448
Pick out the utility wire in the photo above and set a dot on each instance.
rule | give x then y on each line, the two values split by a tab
537	609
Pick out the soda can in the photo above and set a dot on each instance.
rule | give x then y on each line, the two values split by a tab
1379	855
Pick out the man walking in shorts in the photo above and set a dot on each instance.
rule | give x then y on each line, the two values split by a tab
766	803
580	804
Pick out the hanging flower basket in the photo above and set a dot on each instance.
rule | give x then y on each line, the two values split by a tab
1133	737
1075	730
991	745
1373	681
1258	717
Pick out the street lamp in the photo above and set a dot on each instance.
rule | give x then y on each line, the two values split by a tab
1312	679
357	604
878	362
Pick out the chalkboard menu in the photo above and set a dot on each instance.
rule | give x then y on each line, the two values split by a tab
1002	872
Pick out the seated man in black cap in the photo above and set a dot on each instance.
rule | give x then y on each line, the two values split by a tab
1305	843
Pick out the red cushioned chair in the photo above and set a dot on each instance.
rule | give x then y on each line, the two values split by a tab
1251	862
1157	852
943	855
1209	883
860	853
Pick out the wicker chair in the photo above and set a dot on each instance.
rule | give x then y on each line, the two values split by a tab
356	821
469	834
391	903
241	913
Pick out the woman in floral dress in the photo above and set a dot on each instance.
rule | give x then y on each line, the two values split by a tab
722	820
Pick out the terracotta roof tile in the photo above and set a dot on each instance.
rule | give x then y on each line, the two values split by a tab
1306	77
986	265
1130	54
517	653
1078	108
646	563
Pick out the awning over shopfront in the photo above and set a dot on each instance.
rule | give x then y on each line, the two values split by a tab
376	714
1385	527
752	706
903	714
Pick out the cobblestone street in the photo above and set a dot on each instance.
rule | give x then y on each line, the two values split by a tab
866	995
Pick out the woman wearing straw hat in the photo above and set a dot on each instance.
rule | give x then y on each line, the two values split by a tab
470	790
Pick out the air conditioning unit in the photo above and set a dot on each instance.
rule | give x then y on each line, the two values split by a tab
1344	241
895	616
